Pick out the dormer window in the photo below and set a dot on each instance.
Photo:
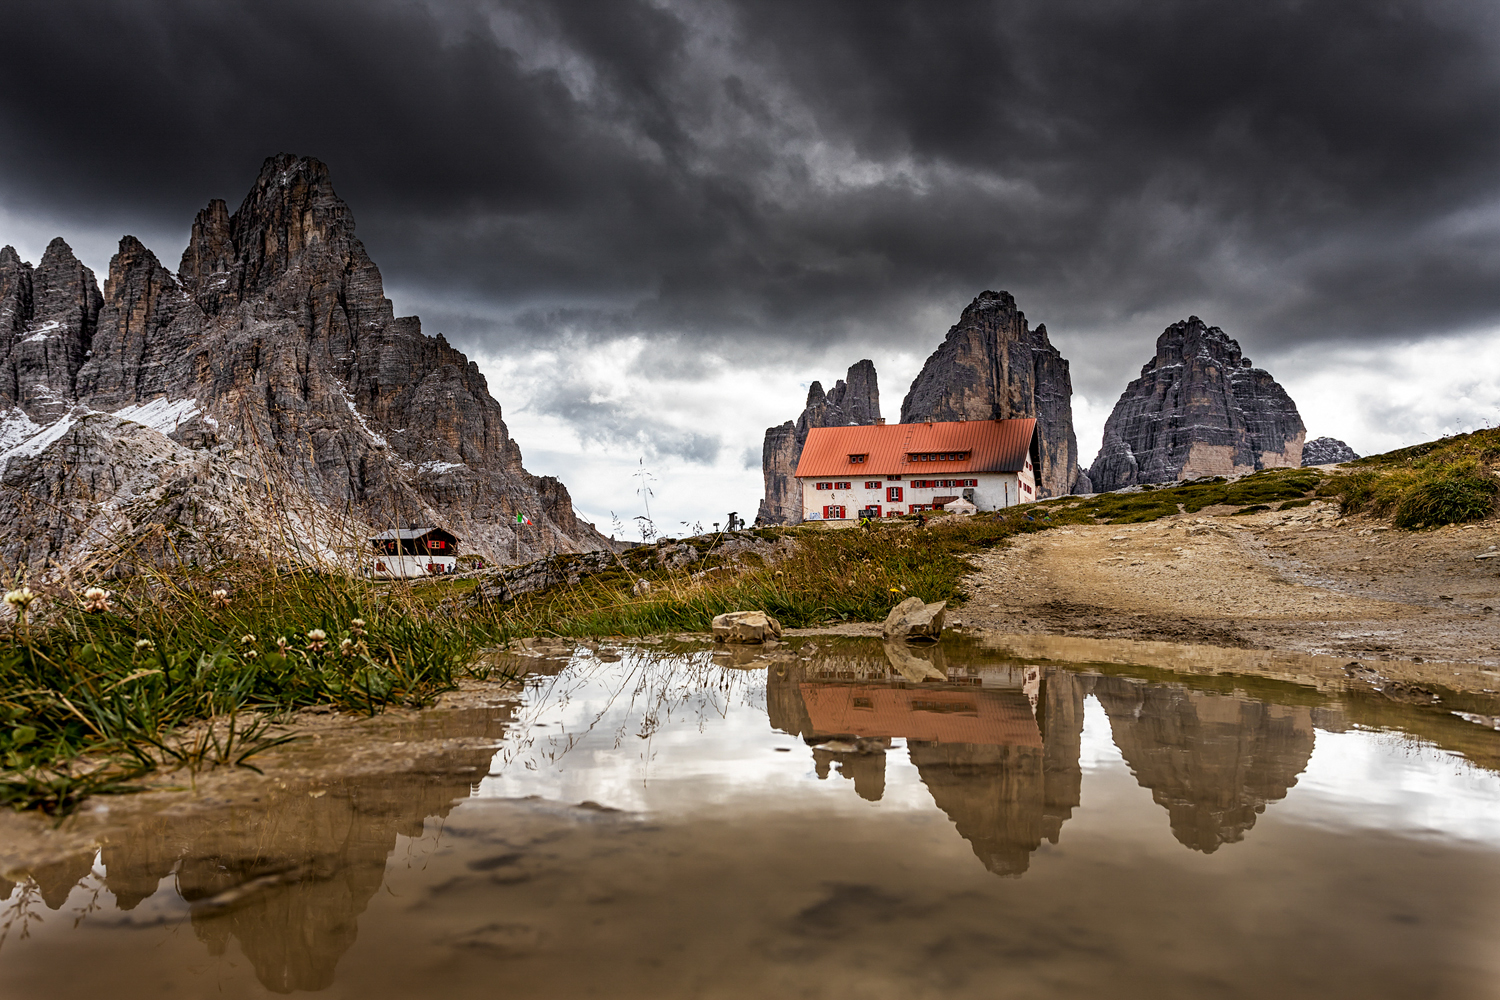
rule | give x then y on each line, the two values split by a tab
857	459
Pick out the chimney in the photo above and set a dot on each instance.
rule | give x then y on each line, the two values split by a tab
880	422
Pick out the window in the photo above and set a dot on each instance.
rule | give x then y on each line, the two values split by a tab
968	482
893	494
843	486
914	507
872	484
938	456
857	459
824	486
923	484
833	512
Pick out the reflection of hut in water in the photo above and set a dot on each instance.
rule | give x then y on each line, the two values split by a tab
997	746
1212	760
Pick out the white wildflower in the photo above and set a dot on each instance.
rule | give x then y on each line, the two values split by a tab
20	598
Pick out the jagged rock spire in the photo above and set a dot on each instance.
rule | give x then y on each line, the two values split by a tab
854	399
992	365
1199	408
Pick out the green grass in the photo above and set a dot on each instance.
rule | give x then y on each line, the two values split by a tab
1449	481
1259	489
171	676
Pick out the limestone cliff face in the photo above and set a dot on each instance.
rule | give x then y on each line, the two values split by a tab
992	365
855	399
1327	451
1198	409
47	319
274	351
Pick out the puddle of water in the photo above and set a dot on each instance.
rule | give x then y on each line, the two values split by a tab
820	822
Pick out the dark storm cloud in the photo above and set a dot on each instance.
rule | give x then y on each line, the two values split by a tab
786	174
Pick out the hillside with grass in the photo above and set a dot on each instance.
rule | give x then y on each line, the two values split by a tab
198	668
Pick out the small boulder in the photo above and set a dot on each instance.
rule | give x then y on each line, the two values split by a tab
746	627
915	619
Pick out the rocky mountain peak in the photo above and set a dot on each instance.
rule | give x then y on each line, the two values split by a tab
1327	451
854	399
1200	408
15	307
992	365
276	345
47	318
208	261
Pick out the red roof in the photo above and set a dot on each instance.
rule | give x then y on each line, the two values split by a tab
971	715
991	446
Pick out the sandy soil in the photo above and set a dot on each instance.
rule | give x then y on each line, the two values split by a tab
1302	581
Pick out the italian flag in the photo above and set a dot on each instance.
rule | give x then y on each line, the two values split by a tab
522	519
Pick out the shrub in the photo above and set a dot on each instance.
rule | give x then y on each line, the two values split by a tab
1456	497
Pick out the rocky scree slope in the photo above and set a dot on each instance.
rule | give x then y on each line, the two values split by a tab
854	399
1199	408
267	386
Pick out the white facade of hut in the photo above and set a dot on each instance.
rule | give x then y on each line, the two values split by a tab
895	469
410	553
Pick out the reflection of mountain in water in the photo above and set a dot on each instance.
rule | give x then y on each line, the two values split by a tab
998	746
1212	760
289	873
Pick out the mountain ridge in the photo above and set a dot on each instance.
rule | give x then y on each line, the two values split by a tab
278	357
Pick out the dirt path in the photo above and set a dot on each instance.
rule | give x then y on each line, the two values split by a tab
1302	581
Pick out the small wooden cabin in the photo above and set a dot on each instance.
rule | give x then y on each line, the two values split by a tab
406	553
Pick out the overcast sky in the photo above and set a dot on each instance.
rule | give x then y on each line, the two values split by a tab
653	223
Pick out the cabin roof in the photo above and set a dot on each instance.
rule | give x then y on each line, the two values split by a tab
990	446
407	534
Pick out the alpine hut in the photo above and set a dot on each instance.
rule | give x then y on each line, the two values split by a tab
882	470
405	553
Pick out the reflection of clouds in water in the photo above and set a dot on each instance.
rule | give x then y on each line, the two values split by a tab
669	733
1391	781
1098	751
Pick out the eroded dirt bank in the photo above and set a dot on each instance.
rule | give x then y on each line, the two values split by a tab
1303	580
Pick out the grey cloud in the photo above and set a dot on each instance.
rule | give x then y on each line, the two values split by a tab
624	426
764	180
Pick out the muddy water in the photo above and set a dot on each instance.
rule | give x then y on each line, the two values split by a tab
822	822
